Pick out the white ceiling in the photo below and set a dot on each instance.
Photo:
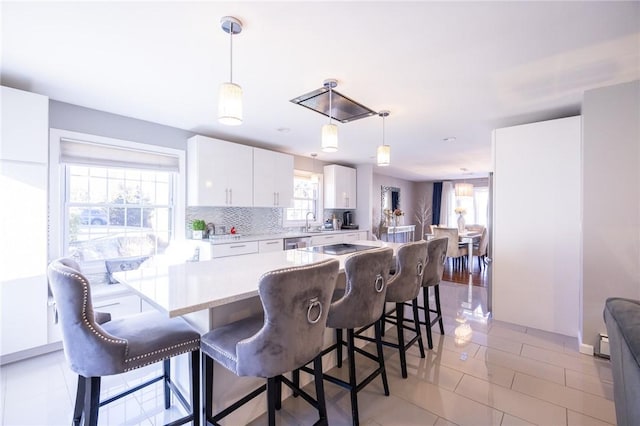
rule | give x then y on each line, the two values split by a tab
443	69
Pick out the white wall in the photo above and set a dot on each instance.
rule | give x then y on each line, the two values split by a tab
536	253
611	207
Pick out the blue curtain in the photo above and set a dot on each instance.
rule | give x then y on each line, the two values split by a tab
436	203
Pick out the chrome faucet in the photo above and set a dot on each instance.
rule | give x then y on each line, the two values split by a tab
306	220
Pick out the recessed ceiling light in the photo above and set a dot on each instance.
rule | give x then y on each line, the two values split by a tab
283	129
449	139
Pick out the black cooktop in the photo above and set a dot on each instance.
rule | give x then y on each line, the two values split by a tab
337	248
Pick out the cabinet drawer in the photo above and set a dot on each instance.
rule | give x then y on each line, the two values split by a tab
350	237
326	239
267	246
233	249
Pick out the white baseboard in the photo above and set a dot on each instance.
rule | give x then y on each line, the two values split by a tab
586	349
29	353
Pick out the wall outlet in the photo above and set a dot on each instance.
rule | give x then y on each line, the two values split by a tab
604	346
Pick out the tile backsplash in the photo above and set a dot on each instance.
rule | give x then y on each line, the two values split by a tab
246	220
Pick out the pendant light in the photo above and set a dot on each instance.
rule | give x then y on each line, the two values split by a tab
230	95
384	151
330	131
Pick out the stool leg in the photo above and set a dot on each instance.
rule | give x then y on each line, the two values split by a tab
278	402
339	346
167	377
322	406
400	329
91	401
195	386
295	376
79	407
427	316
207	373
383	370
352	376
436	290
271	400
416	323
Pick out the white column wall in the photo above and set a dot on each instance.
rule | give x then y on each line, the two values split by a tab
536	253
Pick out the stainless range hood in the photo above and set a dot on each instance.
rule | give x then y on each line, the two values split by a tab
344	108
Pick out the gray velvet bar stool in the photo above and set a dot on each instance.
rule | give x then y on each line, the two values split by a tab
437	256
94	348
404	287
288	335
359	304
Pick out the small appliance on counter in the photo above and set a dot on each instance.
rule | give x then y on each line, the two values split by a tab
347	221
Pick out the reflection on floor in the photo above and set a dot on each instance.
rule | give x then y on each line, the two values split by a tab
481	372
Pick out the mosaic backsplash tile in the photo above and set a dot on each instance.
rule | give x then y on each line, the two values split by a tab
246	220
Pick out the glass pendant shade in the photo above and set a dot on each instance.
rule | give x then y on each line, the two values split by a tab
329	138
230	104
464	190
384	155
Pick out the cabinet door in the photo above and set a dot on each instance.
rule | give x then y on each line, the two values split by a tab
25	126
272	178
238	160
219	173
350	237
340	187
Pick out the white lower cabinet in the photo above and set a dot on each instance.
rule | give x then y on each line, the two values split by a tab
267	246
321	240
350	237
234	249
363	235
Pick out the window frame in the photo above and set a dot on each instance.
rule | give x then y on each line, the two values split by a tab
58	185
320	201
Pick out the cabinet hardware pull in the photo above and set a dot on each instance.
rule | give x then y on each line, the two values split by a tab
273	242
107	305
240	246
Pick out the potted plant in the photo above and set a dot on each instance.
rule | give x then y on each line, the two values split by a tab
198	226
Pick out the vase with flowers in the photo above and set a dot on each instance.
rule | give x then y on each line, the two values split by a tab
461	224
397	216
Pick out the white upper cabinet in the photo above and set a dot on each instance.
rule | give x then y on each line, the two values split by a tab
339	187
25	126
219	173
272	178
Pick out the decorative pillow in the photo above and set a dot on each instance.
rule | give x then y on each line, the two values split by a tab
123	264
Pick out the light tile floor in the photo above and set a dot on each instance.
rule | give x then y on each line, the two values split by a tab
502	374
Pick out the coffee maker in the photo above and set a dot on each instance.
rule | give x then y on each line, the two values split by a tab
347	221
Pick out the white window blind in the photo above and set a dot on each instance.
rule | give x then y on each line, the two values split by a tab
96	154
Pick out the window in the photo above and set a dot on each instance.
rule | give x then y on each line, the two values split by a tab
307	197
112	199
116	212
476	207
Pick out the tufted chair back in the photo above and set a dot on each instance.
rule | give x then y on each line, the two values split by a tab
437	254
410	262
367	274
296	304
89	349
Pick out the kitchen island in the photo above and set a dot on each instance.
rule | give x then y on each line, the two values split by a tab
216	292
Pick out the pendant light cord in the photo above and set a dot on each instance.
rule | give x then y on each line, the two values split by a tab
330	108
383	117
231	54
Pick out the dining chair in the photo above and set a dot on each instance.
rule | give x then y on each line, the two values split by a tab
481	249
95	348
288	335
456	252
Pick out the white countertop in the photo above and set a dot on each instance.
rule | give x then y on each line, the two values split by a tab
183	288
